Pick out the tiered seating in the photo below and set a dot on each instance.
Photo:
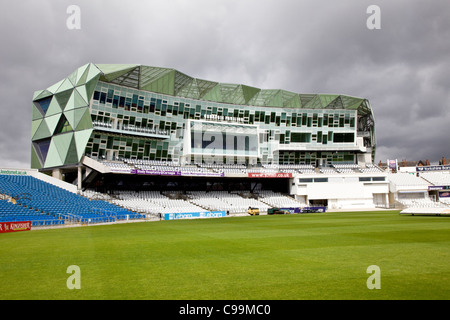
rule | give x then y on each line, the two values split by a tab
346	168
148	164
425	206
192	169
117	165
166	166
240	169
370	168
289	168
260	170
437	178
225	201
277	200
327	170
422	203
153	202
407	179
224	168
210	201
307	169
10	212
60	204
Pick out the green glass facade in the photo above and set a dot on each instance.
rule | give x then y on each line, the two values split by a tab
150	113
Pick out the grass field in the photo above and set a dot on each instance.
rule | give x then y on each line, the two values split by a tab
309	256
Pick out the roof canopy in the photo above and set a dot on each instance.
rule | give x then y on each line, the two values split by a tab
172	82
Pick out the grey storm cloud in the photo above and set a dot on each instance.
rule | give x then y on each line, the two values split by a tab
304	46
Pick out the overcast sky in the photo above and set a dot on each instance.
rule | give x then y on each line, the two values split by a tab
304	46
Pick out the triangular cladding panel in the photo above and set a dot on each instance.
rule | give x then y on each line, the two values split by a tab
190	90
75	101
42	131
314	103
81	140
35	161
36	94
54	88
94	73
351	102
129	79
73	78
36	113
82	74
90	86
83	93
62	144
42	105
35	126
114	71
213	94
63	97
43	94
273	98
205	86
227	91
235	96
41	149
69	115
335	104
287	97
306	98
294	102
260	98
150	74
72	156
66	85
54	108
249	93
53	158
327	99
64	123
52	122
164	84
83	119
180	81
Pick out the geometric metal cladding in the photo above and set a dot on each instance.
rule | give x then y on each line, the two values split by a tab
61	121
172	82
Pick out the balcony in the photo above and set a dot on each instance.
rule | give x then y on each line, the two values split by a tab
131	130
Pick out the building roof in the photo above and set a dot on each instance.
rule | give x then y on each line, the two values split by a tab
175	83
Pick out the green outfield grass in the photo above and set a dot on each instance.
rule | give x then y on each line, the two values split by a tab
307	256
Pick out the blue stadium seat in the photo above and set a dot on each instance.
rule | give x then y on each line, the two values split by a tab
46	204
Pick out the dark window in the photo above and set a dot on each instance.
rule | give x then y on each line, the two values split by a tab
300	137
343	137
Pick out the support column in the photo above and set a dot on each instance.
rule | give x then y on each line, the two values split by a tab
56	173
80	178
